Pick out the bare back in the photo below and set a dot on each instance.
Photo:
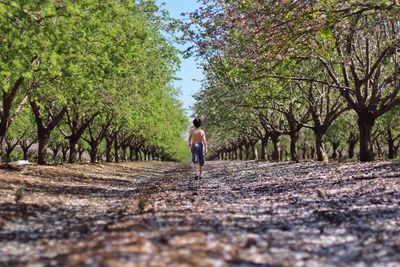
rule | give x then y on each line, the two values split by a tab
196	135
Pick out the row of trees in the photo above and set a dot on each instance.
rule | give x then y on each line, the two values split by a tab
88	76
301	69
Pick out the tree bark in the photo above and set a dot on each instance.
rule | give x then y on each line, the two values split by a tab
247	151
25	149
320	145
294	137
64	152
276	141
9	149
73	149
94	146
253	152
312	152
124	149
335	146
2	145
43	139
131	152
80	153
240	152
55	150
365	125
137	155
391	143
304	151
264	143
351	141
116	150
109	143
5	113
45	131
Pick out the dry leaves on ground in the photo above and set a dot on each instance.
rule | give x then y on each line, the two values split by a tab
239	214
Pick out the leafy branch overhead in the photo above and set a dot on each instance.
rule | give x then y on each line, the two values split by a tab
89	65
326	57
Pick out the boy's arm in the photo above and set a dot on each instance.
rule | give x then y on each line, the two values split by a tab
190	138
205	143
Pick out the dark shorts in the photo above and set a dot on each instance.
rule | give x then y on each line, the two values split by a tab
197	154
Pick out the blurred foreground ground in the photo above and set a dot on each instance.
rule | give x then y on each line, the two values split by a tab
239	214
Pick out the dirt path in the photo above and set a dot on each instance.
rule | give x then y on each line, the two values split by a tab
239	214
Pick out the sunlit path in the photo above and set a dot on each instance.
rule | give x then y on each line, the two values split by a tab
240	213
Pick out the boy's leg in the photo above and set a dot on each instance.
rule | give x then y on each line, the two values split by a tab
201	160
195	160
195	170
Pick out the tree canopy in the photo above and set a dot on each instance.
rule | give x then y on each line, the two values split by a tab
92	71
271	56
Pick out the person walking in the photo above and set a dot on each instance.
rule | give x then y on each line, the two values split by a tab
198	146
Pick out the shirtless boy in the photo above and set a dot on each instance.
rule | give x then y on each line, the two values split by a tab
198	144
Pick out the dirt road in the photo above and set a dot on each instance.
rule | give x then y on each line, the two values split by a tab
239	214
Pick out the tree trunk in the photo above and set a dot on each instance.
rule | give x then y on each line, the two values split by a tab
8	151
2	146
341	153
247	151
390	141
55	152
43	139
109	143
124	154
351	150
235	153
252	152
304	152
320	145
25	152
396	148
294	137
351	141
391	149
80	153
379	149
365	125
334	153
131	153
45	131
64	154
335	146
137	155
8	97
312	152
276	141
73	149
264	143
240	152
94	146
116	150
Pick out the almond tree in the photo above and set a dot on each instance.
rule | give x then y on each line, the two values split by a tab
356	42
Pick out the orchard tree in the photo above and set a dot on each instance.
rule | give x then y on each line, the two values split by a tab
356	42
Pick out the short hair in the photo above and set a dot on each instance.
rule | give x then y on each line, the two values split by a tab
197	122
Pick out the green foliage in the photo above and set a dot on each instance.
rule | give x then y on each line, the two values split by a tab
97	59
308	61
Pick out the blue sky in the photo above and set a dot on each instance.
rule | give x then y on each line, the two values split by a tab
190	75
